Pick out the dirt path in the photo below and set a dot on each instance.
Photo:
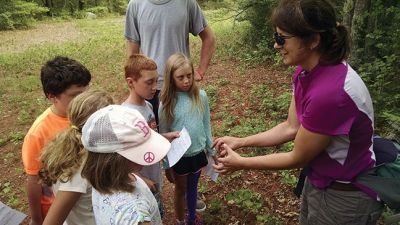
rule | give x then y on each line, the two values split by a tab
20	40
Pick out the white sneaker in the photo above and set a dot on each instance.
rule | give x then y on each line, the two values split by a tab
200	205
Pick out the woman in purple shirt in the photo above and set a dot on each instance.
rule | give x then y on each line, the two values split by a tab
330	119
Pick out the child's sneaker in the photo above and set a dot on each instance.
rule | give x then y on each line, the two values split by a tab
200	205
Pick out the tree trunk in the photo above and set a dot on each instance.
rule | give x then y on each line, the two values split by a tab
348	10
48	4
358	28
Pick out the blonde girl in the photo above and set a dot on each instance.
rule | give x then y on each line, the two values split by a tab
62	161
183	104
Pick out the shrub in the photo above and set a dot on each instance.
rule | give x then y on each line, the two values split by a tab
5	21
379	65
19	14
258	36
117	6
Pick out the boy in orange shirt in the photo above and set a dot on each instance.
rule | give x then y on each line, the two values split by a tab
62	79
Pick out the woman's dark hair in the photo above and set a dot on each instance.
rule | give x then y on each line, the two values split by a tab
108	172
304	18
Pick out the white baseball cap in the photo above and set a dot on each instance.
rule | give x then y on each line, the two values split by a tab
123	130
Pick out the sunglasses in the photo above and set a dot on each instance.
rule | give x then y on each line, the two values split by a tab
280	39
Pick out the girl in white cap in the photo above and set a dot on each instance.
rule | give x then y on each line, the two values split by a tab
62	161
120	143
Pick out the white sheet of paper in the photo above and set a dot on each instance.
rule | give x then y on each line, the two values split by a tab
178	147
209	169
10	216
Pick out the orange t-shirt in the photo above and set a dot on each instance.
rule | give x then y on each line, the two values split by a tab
43	130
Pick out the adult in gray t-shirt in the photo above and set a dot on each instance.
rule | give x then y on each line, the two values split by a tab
160	28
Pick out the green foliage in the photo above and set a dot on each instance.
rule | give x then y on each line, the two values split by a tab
267	220
215	213
248	126
19	14
75	8
100	11
24	117
258	35
212	93
274	106
215	206
16	136
8	190
6	22
117	6
202	188
378	64
288	178
247	200
3	140
214	4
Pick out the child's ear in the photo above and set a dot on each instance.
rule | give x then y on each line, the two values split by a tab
52	98
130	81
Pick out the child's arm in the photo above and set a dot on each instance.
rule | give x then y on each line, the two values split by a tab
34	190
61	207
169	173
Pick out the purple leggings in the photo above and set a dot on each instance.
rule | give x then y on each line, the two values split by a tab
191	195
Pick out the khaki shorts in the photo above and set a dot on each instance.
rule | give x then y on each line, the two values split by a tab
328	206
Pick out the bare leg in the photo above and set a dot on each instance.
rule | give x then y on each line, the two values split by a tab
180	193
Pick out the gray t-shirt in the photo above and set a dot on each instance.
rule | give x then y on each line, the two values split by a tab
162	27
152	172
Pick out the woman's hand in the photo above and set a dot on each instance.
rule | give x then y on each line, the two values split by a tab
228	160
170	136
232	142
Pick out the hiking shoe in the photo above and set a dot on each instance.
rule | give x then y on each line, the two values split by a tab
200	205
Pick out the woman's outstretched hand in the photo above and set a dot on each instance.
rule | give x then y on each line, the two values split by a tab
232	142
228	160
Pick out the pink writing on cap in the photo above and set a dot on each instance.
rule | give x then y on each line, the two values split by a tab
143	127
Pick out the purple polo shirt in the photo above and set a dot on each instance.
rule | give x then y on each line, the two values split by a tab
334	101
